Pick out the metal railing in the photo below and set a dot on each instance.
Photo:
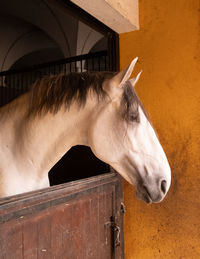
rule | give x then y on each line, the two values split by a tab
15	82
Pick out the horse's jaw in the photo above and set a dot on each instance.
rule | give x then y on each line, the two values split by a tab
152	183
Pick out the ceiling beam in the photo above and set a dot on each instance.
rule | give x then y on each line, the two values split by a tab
121	15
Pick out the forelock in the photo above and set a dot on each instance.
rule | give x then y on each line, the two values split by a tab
130	102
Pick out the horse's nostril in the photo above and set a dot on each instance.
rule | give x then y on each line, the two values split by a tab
163	186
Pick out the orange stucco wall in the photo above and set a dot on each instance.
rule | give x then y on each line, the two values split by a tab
168	47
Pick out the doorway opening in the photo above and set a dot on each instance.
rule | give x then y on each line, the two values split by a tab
49	37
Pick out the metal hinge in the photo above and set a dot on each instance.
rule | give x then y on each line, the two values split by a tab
123	208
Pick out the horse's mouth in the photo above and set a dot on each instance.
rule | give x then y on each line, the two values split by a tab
144	195
147	196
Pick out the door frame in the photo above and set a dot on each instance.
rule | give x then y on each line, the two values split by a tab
112	36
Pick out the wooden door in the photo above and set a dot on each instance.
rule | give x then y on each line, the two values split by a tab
78	220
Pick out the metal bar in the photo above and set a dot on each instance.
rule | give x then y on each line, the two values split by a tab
22	79
64	70
99	63
86	64
57	62
81	65
105	62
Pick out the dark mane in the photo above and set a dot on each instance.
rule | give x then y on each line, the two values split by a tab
51	92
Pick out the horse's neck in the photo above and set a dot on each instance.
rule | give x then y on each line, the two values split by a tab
37	143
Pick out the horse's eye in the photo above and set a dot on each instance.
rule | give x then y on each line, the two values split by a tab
134	117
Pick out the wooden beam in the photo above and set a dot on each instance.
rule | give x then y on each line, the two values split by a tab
121	16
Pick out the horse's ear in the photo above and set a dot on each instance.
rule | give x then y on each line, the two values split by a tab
134	80
113	86
121	77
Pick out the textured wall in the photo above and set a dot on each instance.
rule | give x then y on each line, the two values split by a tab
168	46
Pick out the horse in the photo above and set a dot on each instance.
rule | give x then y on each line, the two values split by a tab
96	109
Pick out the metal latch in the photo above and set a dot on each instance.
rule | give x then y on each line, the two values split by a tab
117	235
115	231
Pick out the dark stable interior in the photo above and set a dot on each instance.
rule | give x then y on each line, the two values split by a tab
78	163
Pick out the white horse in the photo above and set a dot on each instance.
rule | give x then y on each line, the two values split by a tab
100	110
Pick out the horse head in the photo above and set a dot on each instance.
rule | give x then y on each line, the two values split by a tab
122	136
